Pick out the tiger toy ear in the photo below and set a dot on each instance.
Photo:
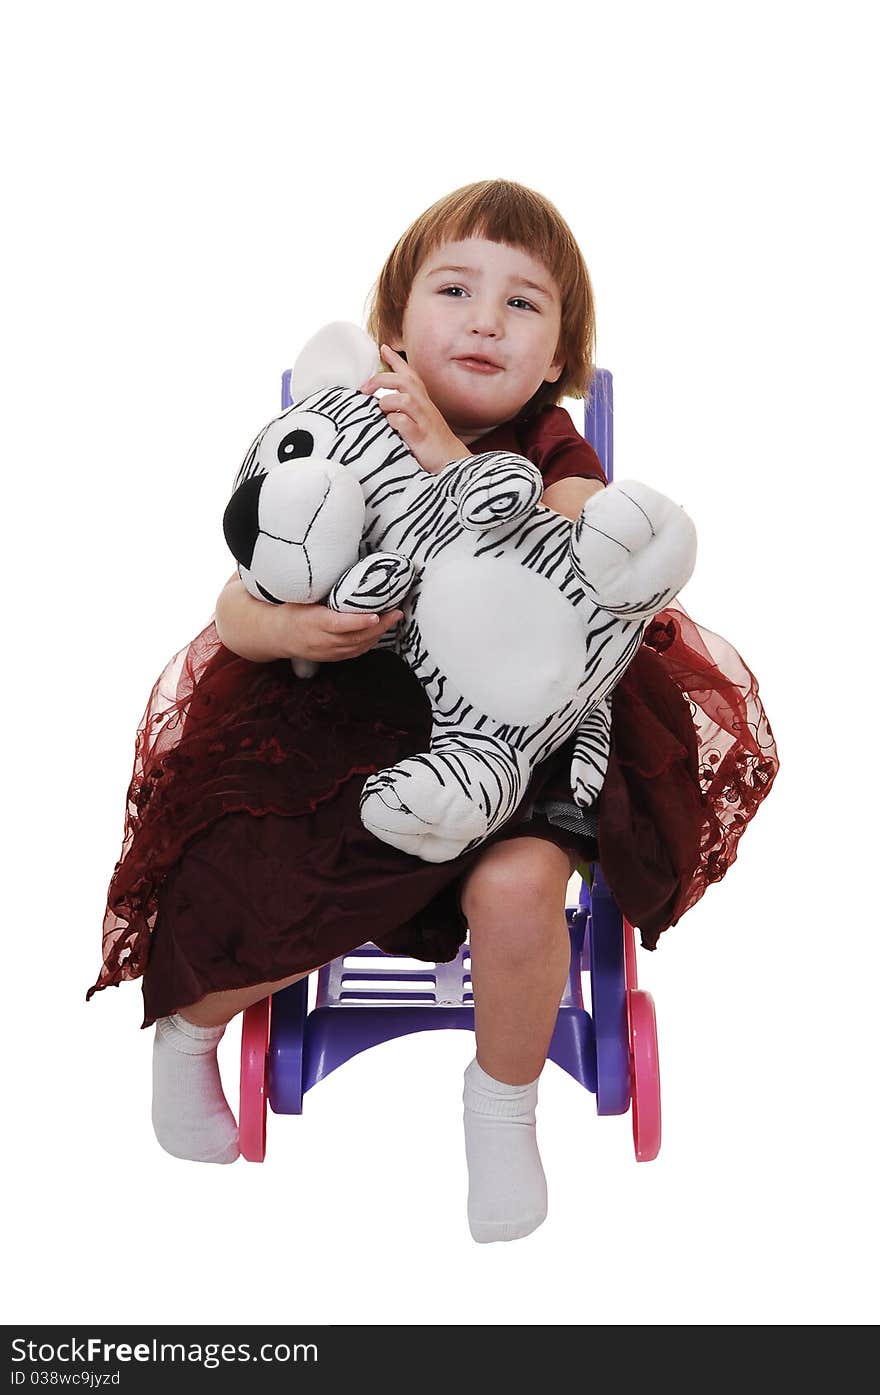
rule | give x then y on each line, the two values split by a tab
339	355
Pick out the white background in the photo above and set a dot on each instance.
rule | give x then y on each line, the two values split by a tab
191	191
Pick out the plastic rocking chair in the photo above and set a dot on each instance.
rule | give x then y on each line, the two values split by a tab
367	996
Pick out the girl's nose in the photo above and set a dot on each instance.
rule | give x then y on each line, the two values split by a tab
485	317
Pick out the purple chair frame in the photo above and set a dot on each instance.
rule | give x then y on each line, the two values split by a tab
359	1007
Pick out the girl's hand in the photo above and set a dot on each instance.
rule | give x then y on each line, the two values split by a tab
414	416
262	632
327	636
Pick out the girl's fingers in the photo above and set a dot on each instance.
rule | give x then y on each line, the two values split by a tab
386	623
398	405
401	416
398	374
392	356
346	622
383	380
395	401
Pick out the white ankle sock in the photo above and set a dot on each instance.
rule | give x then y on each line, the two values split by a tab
507	1193
191	1117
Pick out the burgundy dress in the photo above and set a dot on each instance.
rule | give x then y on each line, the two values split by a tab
244	858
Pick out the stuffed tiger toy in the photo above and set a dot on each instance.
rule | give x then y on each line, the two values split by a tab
517	621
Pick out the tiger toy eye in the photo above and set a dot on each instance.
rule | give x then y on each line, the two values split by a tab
296	445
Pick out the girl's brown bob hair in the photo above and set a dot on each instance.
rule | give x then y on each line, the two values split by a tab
500	211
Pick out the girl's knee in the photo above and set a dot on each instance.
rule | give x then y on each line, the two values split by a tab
525	877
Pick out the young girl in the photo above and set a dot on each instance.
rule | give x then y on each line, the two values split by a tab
245	865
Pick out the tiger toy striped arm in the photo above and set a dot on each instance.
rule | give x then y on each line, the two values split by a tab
491	488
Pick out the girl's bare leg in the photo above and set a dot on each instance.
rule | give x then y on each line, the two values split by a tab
218	1009
514	901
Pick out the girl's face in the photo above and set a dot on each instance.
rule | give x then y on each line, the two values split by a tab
483	299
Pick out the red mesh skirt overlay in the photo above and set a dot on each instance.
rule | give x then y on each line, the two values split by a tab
244	859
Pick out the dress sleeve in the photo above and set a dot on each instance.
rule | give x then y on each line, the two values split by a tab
553	443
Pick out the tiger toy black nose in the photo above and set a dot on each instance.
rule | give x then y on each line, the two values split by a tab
241	524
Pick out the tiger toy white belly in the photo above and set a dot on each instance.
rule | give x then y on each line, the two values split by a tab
505	636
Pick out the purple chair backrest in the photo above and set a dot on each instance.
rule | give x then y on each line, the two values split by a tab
599	419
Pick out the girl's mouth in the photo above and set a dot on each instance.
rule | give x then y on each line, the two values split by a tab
478	365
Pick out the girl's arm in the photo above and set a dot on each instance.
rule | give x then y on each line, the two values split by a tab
262	632
568	496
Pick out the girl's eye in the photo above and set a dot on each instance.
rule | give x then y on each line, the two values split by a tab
521	300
